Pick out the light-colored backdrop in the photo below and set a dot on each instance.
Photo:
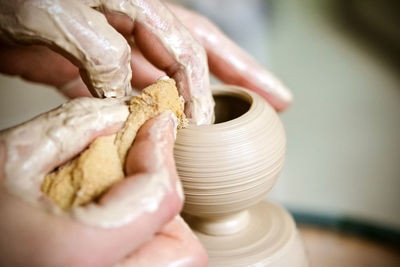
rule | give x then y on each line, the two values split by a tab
344	126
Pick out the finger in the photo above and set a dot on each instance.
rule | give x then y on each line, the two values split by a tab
41	64
151	173
36	147
36	63
166	43
175	245
230	63
143	71
80	33
2	161
154	142
75	88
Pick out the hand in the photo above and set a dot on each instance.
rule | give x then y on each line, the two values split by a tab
158	44
31	235
230	63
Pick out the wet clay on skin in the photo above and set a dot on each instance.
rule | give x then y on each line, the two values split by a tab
191	71
81	33
103	55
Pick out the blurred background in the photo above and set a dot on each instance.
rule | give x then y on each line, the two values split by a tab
341	59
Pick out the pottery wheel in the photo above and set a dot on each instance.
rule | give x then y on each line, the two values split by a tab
270	239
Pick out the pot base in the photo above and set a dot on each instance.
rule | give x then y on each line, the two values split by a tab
270	239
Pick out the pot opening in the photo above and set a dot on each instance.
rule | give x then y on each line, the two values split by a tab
229	107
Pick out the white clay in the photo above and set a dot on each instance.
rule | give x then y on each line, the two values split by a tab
236	162
226	169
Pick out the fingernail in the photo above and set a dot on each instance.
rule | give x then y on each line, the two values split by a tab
170	116
163	78
167	117
274	87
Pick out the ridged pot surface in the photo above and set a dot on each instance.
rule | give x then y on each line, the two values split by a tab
230	165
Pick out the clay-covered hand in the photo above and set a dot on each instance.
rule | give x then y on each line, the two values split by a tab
158	40
230	63
80	32
144	231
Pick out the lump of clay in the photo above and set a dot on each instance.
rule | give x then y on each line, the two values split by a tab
101	165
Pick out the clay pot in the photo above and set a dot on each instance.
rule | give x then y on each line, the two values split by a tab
230	165
226	170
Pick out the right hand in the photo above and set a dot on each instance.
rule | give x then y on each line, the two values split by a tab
162	45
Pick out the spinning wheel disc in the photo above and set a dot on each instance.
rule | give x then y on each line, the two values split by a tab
269	239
